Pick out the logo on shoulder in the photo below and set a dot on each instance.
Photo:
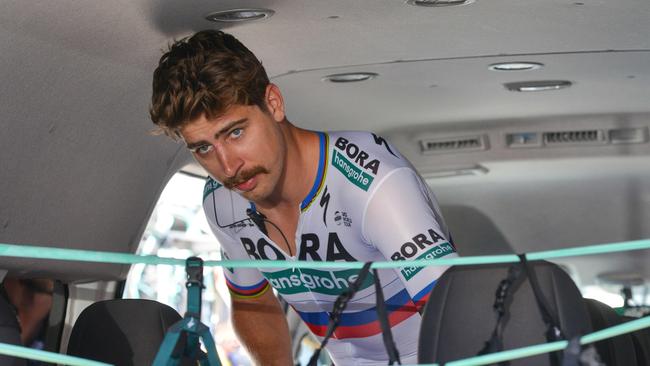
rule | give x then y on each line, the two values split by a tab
211	185
354	163
382	142
429	245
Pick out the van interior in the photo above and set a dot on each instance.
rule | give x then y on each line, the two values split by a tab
530	120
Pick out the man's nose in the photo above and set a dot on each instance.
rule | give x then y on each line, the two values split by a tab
229	161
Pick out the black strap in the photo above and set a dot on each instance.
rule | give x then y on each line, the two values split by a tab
387	335
553	331
572	354
495	343
339	306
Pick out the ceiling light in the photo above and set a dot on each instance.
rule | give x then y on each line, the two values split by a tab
438	3
541	85
350	77
515	66
239	15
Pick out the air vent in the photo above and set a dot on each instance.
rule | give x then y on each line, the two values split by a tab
628	135
450	145
581	137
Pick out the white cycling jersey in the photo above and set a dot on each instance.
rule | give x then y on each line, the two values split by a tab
367	204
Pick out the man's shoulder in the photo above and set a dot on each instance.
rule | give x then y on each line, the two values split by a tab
361	153
366	139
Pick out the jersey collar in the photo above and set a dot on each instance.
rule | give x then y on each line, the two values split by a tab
323	141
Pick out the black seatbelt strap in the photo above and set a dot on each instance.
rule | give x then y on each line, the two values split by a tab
382	314
339	306
495	343
573	355
553	331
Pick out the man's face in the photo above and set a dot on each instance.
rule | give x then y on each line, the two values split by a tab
243	149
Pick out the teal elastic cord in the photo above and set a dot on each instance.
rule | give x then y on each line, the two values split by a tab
50	357
11	250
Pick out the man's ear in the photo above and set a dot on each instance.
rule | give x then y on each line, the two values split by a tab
275	102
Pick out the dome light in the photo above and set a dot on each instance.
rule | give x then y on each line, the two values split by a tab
438	3
239	15
350	77
515	66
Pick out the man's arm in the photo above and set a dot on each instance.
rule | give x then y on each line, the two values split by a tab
404	223
261	326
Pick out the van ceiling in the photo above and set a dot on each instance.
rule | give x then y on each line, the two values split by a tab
80	169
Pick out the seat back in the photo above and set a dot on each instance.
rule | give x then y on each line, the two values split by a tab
9	331
121	332
459	318
619	350
641	340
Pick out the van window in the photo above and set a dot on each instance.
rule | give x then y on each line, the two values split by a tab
178	228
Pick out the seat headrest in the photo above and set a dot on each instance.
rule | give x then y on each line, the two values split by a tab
459	318
122	331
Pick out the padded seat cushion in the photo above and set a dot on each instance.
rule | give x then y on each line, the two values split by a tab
459	317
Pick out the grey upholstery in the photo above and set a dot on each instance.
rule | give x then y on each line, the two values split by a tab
121	332
459	318
617	351
9	331
641	340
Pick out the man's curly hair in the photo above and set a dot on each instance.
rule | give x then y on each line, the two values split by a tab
204	74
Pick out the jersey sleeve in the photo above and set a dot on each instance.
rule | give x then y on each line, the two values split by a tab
242	282
402	220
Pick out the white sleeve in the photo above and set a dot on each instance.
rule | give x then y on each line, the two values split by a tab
402	220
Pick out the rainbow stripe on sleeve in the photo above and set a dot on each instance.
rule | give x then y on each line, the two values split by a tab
249	292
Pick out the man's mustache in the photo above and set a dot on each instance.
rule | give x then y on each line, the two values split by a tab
242	177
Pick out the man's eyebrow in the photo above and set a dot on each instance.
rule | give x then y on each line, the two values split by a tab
226	127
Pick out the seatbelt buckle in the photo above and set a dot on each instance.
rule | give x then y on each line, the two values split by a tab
194	270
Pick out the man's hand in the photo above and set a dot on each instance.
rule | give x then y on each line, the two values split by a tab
262	327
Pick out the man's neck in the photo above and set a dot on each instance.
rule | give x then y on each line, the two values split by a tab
300	170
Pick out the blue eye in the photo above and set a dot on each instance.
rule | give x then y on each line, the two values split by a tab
203	149
237	132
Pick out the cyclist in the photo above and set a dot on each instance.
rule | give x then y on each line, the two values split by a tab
280	192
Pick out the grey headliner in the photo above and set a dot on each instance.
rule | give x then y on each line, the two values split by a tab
79	169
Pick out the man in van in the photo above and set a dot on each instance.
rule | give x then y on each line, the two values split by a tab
280	192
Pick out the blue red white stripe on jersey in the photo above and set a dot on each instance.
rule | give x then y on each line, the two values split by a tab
247	291
420	299
366	323
323	141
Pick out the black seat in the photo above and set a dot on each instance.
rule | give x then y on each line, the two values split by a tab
619	350
641	340
121	332
9	330
459	317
